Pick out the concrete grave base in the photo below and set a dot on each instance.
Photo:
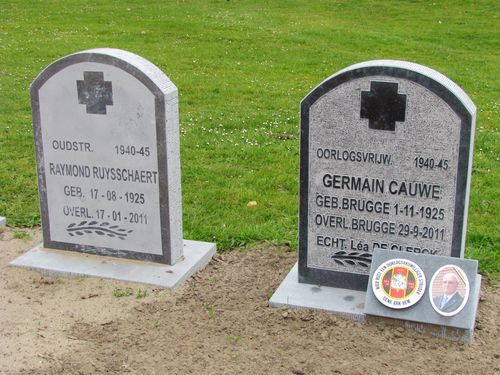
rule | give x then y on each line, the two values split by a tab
344	302
72	264
3	221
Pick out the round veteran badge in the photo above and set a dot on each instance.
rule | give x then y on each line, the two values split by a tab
398	283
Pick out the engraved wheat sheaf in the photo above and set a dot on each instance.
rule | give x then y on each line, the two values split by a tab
344	258
102	229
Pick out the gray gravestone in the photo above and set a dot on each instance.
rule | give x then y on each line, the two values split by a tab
107	149
106	126
385	162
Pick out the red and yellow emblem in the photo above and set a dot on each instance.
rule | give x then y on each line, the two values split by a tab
398	283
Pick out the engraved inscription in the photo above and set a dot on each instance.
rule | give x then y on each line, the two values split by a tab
393	190
101	172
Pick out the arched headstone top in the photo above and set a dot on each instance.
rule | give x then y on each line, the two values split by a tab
429	77
144	70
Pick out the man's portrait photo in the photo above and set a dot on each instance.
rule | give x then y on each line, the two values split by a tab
449	290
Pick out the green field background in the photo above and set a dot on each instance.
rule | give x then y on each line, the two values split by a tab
242	68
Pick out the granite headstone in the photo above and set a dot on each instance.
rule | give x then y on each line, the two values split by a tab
385	162
107	149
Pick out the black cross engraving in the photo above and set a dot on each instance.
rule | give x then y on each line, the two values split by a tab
383	106
94	92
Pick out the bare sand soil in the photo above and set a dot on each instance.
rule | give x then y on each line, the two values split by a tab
216	323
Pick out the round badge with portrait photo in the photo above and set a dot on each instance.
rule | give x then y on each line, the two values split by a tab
449	290
398	283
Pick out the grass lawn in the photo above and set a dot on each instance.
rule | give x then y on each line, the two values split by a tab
242	68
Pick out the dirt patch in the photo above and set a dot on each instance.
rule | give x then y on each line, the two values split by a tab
216	323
